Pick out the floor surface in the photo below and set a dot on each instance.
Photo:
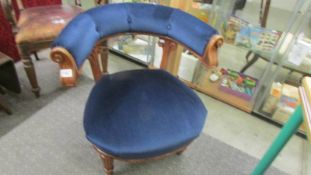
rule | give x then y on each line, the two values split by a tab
232	126
49	138
240	129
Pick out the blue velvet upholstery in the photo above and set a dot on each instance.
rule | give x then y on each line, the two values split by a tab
142	113
88	27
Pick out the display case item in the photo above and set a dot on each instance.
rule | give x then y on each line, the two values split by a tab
279	95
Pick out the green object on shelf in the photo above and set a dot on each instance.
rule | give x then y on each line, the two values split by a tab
285	134
250	83
233	73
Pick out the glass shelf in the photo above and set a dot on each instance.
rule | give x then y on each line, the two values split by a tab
281	17
279	93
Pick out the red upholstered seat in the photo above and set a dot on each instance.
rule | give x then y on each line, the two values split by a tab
36	28
37	23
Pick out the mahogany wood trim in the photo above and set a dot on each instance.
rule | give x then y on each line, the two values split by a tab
66	62
210	58
93	59
107	159
173	54
176	151
104	52
169	46
219	40
107	163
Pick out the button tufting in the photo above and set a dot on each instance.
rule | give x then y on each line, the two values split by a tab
169	26
97	29
129	19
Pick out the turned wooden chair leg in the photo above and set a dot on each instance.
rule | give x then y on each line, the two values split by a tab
94	62
36	56
104	51
108	164
30	70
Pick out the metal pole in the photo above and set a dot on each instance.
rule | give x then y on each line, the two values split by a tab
285	134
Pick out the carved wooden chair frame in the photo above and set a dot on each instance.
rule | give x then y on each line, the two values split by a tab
107	159
66	61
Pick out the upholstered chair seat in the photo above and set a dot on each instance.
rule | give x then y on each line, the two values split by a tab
141	114
137	115
37	23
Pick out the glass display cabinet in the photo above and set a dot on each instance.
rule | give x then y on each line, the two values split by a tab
290	61
141	48
264	39
258	72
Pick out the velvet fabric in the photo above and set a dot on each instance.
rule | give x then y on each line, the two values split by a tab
142	113
113	19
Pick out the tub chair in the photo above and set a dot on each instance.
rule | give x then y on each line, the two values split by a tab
144	114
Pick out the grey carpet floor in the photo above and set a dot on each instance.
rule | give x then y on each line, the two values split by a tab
24	105
50	141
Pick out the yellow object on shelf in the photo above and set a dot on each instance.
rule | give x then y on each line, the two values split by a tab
281	102
305	95
290	91
272	100
194	8
276	89
287	103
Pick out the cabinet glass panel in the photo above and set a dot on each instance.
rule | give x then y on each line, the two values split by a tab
254	32
292	60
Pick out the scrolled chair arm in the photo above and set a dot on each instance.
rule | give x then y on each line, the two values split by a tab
68	68
83	33
73	46
210	58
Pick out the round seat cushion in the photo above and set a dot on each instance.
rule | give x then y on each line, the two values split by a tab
142	113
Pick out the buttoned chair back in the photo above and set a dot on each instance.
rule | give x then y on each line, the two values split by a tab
143	114
76	43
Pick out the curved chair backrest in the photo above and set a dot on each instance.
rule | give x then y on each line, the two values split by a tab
80	36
